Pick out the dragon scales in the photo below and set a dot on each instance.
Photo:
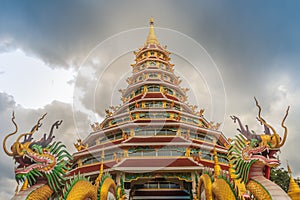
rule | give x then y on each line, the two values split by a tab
250	158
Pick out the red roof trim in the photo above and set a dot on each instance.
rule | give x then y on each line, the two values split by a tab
171	97
158	162
153	95
135	98
91	168
155	139
208	144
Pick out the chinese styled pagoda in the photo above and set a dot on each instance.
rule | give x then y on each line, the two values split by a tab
155	144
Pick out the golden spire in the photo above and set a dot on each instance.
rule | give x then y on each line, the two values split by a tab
151	39
294	190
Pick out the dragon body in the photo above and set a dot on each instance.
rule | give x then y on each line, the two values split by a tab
250	158
43	165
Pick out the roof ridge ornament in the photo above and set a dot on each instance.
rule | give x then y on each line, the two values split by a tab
151	39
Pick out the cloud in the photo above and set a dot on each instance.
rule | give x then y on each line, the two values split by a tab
62	33
26	119
49	31
7	186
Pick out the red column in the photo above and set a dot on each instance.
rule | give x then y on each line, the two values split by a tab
267	172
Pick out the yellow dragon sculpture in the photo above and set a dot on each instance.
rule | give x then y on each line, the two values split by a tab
43	166
250	157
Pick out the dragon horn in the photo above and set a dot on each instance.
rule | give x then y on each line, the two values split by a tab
4	141
285	128
33	130
265	123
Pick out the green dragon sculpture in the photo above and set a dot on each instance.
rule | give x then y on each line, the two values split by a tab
43	168
250	158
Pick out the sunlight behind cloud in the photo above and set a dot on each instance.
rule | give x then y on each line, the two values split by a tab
32	83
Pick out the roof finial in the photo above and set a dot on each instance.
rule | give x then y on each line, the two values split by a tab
151	21
151	39
288	167
294	190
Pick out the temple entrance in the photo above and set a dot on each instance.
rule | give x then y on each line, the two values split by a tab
160	188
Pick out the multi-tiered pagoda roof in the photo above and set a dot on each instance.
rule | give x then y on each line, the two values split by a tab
155	131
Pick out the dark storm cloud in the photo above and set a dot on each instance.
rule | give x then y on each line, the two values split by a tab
59	33
244	39
62	33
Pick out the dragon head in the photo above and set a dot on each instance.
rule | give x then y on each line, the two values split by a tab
39	160
249	147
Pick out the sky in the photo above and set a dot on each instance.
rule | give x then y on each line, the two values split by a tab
70	58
